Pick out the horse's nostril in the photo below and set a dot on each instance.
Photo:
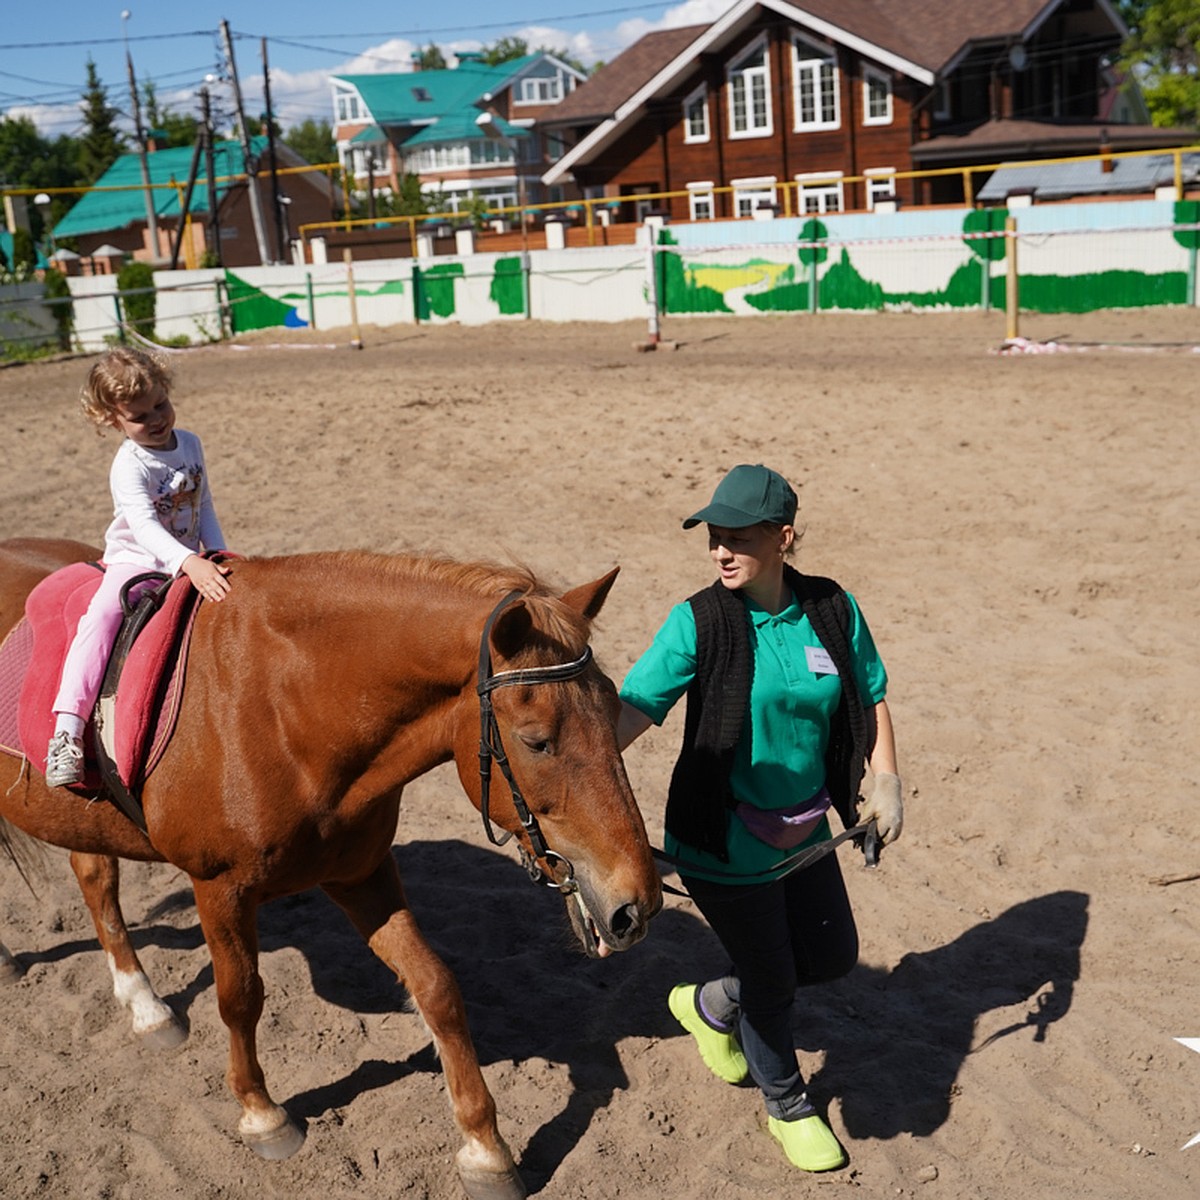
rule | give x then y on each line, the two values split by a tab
626	920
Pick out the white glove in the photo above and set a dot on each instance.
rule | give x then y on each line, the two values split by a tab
886	806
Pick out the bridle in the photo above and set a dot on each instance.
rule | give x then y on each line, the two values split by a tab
491	747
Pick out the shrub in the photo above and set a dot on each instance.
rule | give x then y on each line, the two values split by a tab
138	309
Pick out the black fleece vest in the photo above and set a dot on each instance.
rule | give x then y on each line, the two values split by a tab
699	799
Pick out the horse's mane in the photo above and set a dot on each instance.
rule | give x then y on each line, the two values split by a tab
555	621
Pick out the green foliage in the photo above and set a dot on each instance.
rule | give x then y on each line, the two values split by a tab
504	50
102	145
409	201
313	141
57	289
24	252
430	58
29	160
176	128
1164	53
138	309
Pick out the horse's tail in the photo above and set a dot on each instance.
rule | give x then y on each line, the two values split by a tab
25	853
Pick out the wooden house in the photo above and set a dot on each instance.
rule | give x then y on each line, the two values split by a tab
841	98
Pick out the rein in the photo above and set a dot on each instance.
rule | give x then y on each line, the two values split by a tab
492	747
866	835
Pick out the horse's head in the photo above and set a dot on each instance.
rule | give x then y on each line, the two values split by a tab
554	733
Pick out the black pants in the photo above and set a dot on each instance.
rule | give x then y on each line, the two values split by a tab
779	936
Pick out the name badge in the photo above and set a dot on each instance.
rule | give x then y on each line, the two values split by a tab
819	662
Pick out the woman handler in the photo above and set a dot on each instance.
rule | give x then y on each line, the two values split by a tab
785	703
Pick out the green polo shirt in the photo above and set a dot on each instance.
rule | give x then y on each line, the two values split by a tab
780	756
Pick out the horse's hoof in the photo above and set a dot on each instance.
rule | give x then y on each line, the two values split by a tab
10	971
170	1035
281	1142
492	1185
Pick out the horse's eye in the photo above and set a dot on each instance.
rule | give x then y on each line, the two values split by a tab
536	744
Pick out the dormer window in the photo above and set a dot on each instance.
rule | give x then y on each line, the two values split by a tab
348	106
543	89
421	95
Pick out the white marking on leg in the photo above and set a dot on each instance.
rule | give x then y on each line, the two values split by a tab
133	991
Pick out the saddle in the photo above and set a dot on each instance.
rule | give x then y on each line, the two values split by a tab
143	684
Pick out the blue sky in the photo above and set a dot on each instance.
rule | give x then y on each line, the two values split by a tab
43	58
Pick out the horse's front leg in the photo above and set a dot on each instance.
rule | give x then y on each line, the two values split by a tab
153	1019
10	969
228	919
380	912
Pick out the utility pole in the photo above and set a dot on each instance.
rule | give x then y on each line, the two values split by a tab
214	216
256	212
140	134
276	198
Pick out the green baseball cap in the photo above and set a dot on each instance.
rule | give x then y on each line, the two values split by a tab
746	496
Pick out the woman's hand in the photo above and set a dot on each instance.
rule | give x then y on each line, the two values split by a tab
208	577
886	806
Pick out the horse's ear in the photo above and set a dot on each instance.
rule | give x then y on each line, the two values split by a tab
511	630
589	599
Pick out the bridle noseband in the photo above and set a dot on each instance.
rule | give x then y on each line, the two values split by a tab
491	747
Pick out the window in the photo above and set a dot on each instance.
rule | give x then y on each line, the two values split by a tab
814	86
881	181
819	193
701	206
348	106
748	194
695	116
541	90
941	105
877	98
749	99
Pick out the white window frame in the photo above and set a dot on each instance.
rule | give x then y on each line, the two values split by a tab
747	193
878	79
880	181
821	186
741	82
348	106
810	59
699	195
540	89
698	97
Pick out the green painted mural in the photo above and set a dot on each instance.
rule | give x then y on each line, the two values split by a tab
433	289
507	292
251	308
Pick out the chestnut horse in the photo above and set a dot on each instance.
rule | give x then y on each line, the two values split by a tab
315	691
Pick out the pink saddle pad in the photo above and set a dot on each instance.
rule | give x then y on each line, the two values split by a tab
150	687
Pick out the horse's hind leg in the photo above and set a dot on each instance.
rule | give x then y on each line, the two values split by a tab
153	1020
381	914
228	918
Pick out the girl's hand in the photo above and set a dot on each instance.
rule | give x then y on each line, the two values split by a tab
208	577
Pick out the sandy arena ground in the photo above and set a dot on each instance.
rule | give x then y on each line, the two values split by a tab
1022	534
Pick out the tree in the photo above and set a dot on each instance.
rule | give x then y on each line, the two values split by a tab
430	59
1163	53
506	49
179	129
313	141
102	145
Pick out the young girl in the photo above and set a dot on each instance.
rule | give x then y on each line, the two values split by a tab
162	515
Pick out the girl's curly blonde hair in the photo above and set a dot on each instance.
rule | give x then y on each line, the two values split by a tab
123	374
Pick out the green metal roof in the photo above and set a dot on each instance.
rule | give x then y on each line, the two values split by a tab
372	133
459	127
97	211
416	97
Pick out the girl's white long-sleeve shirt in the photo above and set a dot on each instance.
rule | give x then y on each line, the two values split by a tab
162	507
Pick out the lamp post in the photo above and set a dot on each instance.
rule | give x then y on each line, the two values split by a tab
42	201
